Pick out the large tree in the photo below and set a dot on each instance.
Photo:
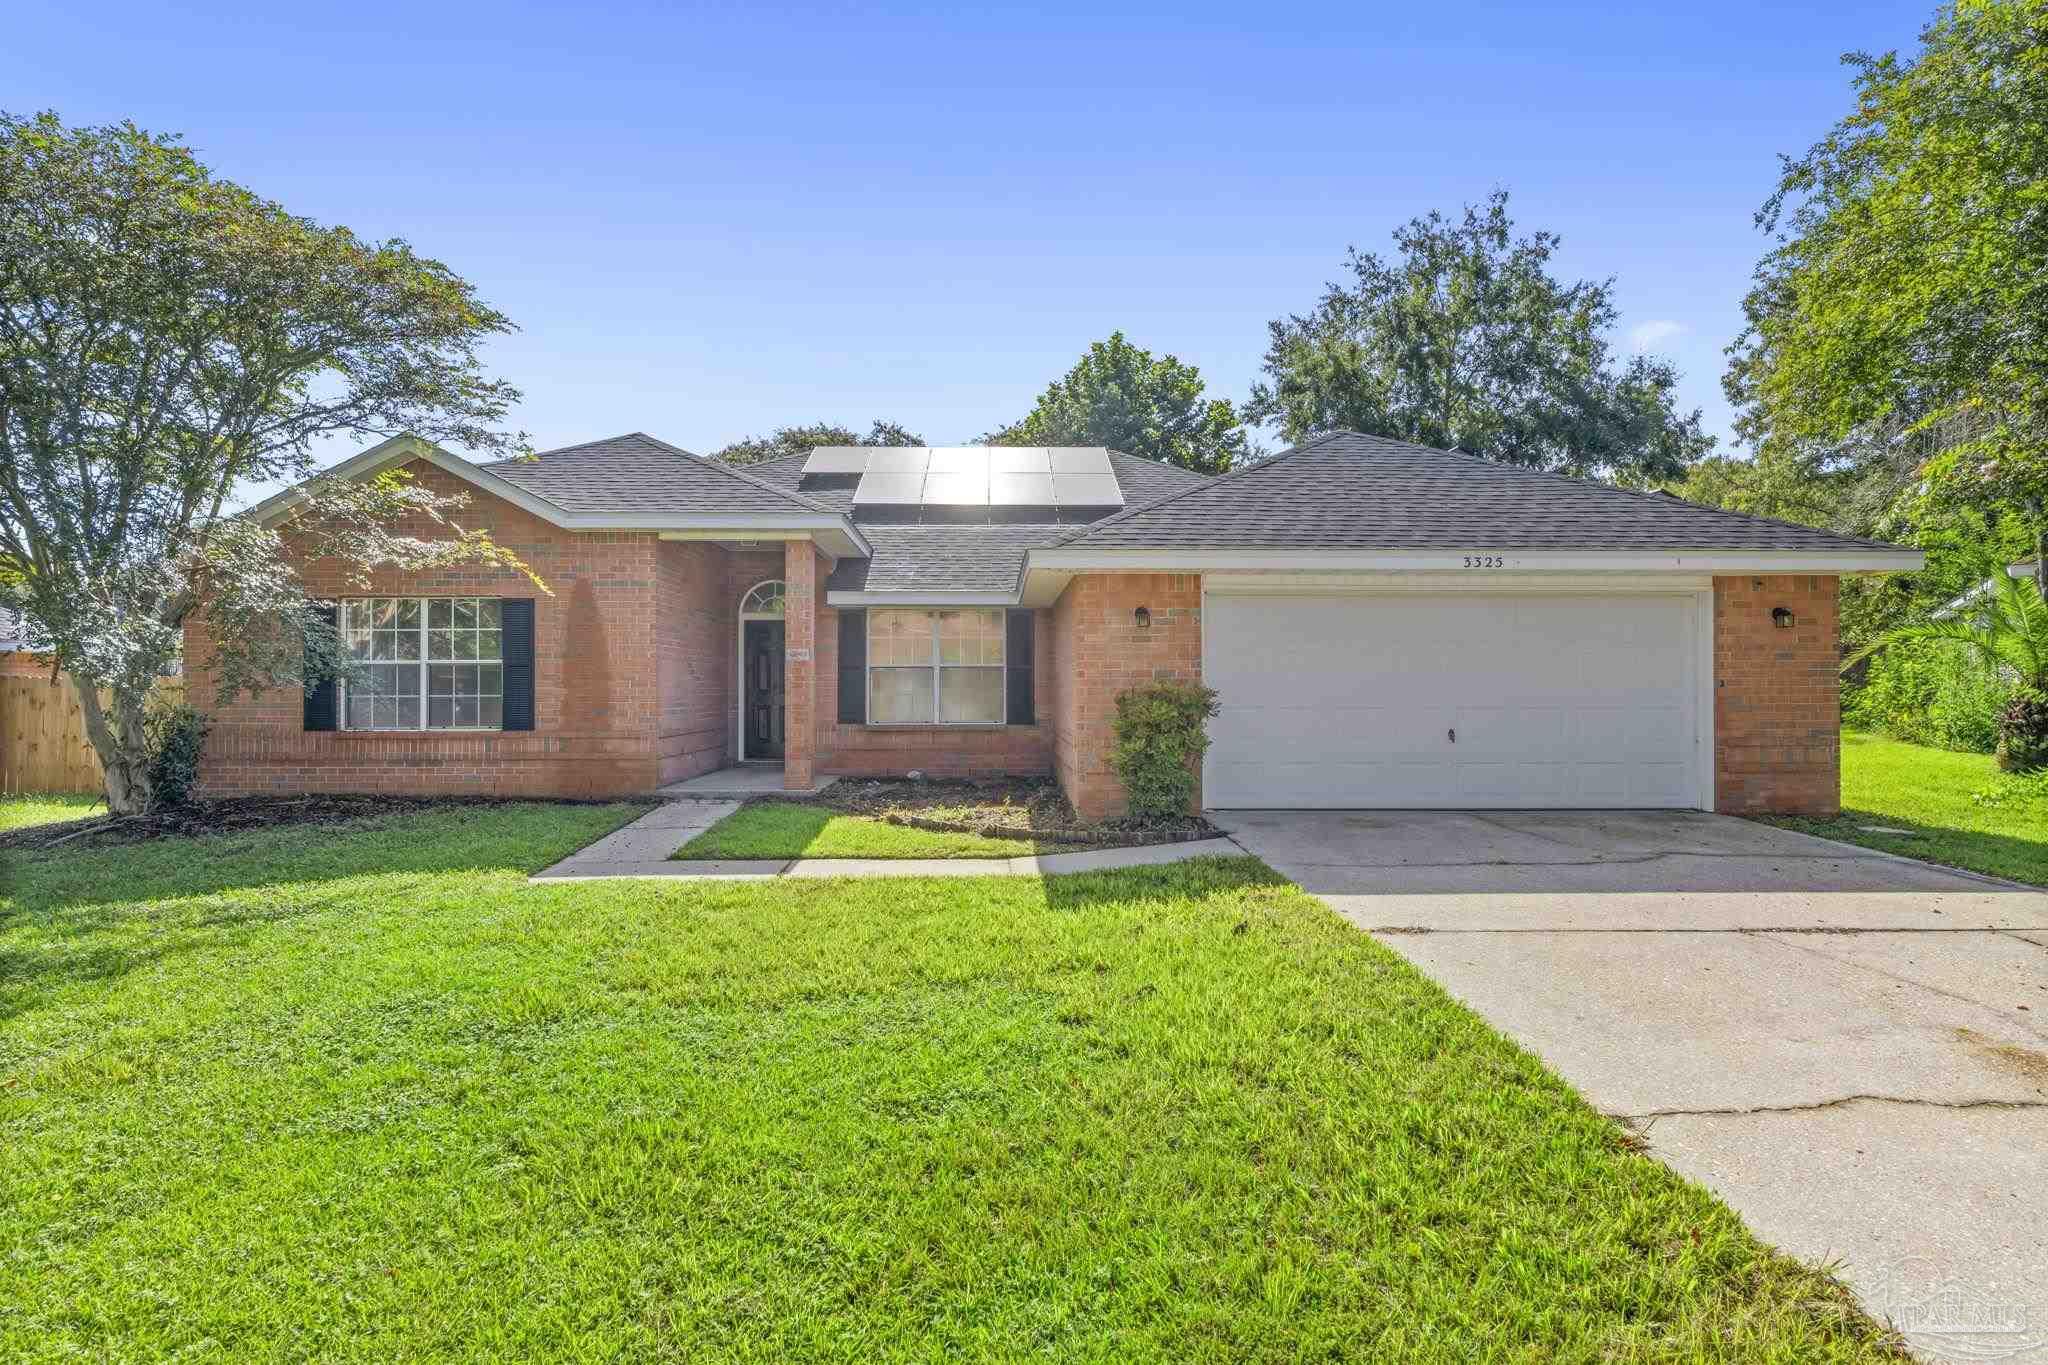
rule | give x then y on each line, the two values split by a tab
1466	339
1900	324
1124	397
798	440
167	339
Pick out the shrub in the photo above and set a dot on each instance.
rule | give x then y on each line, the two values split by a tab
1940	696
1161	735
2023	732
176	735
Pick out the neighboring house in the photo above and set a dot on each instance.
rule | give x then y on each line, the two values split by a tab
17	660
2026	568
1387	625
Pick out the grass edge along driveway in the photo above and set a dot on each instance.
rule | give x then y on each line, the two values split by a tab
364	1094
1931	794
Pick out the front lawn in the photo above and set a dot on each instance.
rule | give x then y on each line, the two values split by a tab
1934	794
362	1093
47	808
787	829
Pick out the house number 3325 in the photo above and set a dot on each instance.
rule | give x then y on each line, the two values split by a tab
1485	562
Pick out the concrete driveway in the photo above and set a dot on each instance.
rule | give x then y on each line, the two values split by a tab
1850	1048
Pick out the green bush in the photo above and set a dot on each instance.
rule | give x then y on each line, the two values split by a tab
1161	735
177	736
1947	698
2023	732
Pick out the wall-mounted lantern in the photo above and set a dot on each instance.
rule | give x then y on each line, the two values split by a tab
1143	616
1782	618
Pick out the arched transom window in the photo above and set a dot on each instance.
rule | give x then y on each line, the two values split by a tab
763	599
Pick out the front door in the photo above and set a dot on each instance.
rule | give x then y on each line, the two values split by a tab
761	689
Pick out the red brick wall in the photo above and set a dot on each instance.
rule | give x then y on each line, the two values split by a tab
1777	697
1098	651
700	587
19	663
937	751
597	703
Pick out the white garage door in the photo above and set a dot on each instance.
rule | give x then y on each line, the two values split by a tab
1453	701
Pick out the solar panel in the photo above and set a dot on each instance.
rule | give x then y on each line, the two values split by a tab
888	489
1082	460
1086	490
898	459
1013	483
837	460
959	460
956	490
1019	460
1020	490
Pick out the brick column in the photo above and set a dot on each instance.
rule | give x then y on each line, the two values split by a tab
802	597
1777	697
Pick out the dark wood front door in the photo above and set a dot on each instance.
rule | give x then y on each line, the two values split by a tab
761	690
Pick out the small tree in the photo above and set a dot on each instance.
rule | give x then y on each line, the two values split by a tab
799	440
1161	732
1124	397
168	339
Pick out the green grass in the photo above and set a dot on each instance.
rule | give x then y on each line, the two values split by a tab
365	1094
43	808
785	829
1929	791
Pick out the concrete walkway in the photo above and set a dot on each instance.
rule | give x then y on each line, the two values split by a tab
642	849
1849	1048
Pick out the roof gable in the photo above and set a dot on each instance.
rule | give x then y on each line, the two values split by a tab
638	473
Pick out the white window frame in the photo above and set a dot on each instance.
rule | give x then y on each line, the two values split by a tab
424	662
931	615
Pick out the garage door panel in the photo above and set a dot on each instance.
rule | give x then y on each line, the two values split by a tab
1555	701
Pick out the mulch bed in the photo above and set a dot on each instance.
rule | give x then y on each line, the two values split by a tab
1012	807
236	814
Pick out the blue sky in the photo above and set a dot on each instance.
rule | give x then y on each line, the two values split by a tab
709	222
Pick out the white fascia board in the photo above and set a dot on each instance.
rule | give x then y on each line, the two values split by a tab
1480	559
920	598
832	534
1284	583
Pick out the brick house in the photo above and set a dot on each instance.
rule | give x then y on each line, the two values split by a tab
1386	625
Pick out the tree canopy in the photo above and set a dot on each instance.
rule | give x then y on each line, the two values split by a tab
1122	396
168	338
1899	326
1466	339
798	440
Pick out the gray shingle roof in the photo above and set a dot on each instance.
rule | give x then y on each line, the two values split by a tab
1346	491
638	473
978	557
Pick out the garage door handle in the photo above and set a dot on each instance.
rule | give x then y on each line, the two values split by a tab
1454	736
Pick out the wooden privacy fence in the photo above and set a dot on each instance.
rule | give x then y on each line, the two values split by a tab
43	747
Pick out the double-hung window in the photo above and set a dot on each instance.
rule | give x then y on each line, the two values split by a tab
935	667
423	663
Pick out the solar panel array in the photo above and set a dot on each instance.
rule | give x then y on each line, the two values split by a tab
959	477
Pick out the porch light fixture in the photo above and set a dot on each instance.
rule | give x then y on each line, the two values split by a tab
1782	618
1143	616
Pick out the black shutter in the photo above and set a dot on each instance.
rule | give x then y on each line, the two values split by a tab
853	667
515	622
320	692
1017	644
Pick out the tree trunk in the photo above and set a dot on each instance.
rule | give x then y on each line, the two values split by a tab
123	746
